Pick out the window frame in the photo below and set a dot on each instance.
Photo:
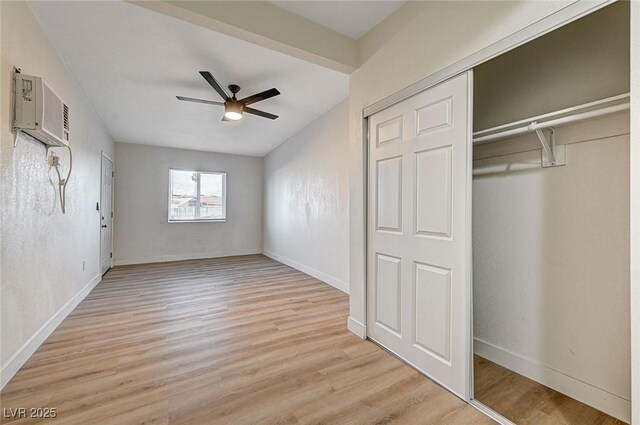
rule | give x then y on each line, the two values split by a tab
198	220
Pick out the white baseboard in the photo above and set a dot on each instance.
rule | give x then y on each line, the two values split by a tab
336	283
182	257
356	327
21	356
598	398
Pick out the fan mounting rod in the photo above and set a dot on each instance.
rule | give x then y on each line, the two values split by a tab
234	88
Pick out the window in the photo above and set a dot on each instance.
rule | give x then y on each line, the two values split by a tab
197	196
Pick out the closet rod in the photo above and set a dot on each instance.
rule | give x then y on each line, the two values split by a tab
533	126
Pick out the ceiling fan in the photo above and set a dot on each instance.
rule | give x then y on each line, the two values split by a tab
233	107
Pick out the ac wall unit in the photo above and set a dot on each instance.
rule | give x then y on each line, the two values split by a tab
39	112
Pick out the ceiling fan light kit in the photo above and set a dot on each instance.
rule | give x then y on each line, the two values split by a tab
233	110
233	107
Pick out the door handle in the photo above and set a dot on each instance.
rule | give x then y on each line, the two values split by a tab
104	226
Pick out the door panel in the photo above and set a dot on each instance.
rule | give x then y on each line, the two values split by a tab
389	194
433	192
433	117
419	255
388	290
389	131
432	310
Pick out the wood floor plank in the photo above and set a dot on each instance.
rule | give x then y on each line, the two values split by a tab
237	340
525	401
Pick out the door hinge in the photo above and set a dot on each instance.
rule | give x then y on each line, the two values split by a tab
111	214
113	174
111	255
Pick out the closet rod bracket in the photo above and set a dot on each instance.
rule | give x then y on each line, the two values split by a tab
552	155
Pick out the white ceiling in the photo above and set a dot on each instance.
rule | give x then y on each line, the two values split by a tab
352	18
132	62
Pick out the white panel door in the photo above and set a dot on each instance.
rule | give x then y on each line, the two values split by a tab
106	214
419	235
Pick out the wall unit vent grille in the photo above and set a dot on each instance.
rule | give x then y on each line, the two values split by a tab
52	113
66	117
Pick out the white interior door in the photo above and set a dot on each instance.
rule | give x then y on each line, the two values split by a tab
419	231
106	214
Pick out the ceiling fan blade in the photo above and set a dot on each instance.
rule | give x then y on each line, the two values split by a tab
191	99
260	113
260	96
216	86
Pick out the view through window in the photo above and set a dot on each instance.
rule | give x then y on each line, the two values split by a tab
197	195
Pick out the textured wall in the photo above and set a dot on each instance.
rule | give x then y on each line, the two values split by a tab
142	232
42	251
306	205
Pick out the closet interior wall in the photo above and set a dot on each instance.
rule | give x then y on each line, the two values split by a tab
551	245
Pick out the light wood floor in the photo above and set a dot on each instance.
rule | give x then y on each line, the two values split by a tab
524	401
240	340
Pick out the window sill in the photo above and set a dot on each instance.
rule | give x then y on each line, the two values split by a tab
216	220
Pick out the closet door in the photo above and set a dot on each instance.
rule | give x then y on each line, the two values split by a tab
419	233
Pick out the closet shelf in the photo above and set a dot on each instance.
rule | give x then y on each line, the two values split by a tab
586	111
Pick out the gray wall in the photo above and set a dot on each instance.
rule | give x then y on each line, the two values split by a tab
581	62
142	231
42	251
306	185
551	261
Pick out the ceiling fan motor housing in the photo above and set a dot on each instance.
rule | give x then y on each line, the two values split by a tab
233	108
